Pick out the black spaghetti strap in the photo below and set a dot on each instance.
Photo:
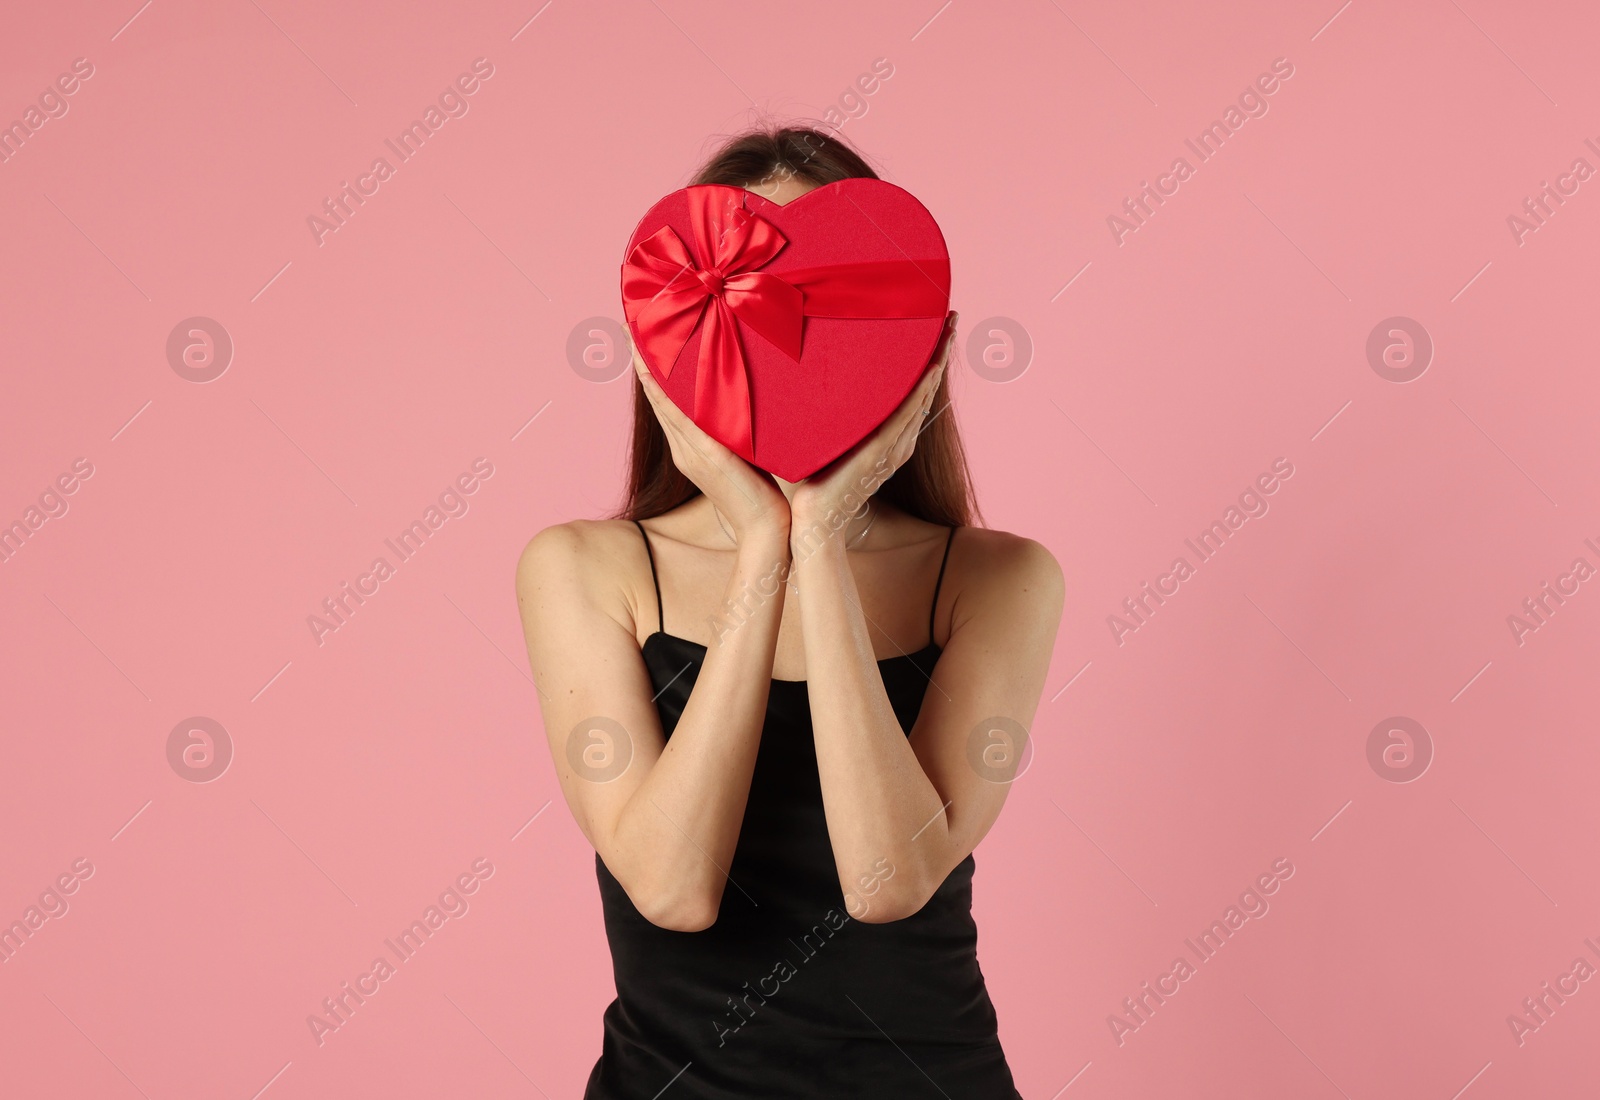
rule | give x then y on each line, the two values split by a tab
661	625
948	539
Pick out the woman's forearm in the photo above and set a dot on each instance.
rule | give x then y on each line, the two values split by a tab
878	801
680	828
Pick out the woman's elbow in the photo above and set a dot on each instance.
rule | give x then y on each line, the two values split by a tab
678	912
888	905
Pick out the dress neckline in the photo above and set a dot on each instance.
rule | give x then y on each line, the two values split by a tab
931	647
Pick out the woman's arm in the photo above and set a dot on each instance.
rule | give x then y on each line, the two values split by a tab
919	802
667	826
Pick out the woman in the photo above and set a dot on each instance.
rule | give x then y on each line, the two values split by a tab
773	709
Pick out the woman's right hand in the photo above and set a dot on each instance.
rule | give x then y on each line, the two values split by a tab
751	503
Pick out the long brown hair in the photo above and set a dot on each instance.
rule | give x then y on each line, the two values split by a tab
934	484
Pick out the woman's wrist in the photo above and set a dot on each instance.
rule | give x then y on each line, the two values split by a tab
761	566
810	511
764	544
819	518
767	522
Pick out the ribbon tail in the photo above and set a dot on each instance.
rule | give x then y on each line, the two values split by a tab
722	389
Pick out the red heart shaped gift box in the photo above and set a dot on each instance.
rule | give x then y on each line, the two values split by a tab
787	332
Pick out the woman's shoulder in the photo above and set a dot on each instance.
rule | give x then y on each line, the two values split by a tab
1003	550
578	542
588	558
986	560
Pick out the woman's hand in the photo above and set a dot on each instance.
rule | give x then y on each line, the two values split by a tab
747	497
844	484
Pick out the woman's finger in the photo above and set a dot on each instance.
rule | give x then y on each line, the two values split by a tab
912	409
674	421
949	340
667	414
705	461
671	418
647	382
686	437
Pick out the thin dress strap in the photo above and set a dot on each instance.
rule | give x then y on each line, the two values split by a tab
936	584
661	625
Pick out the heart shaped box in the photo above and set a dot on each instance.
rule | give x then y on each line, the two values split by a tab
853	372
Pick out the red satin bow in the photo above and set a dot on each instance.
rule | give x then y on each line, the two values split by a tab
666	291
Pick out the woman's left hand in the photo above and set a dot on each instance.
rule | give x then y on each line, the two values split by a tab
844	484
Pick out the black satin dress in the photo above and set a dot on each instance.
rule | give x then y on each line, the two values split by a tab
787	995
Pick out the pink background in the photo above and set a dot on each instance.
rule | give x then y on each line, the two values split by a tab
1167	372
